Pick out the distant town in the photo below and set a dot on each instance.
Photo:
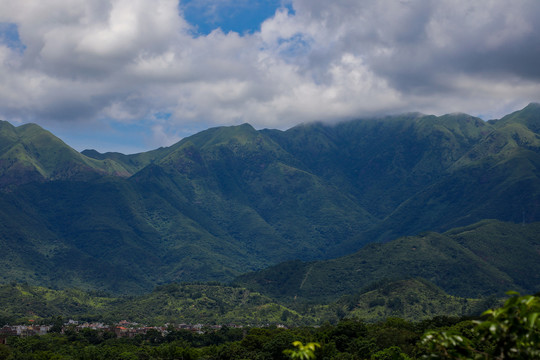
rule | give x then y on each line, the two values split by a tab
122	329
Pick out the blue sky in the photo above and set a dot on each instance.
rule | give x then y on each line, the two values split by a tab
134	75
9	36
205	16
240	16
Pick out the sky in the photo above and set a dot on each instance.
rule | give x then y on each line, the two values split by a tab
134	75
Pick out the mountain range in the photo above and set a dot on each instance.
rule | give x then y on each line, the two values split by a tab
231	200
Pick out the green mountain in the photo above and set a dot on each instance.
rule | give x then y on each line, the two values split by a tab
416	173
479	260
29	153
230	200
222	202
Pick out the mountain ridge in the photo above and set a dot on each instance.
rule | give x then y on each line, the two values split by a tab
230	200
29	153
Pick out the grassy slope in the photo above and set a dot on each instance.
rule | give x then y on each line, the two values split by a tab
244	180
20	303
382	161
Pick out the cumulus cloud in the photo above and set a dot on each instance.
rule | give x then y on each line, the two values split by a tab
126	60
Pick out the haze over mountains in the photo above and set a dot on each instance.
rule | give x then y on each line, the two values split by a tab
230	200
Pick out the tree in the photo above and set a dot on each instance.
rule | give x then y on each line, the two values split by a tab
510	332
391	353
303	352
57	325
5	352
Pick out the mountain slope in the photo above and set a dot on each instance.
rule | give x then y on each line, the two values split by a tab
499	178
29	153
242	181
412	299
482	259
416	172
383	161
233	199
205	209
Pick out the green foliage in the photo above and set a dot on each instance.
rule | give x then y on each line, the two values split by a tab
302	352
22	302
173	303
202	303
5	352
413	299
509	332
391	353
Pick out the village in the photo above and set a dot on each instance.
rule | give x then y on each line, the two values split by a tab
122	329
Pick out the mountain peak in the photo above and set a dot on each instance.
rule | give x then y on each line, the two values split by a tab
30	153
222	135
532	105
92	153
529	116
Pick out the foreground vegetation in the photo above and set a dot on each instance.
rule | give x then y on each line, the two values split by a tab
509	332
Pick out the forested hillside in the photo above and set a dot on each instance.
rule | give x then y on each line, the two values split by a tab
486	258
212	303
230	200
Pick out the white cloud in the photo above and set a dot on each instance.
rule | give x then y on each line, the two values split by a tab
162	135
127	60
